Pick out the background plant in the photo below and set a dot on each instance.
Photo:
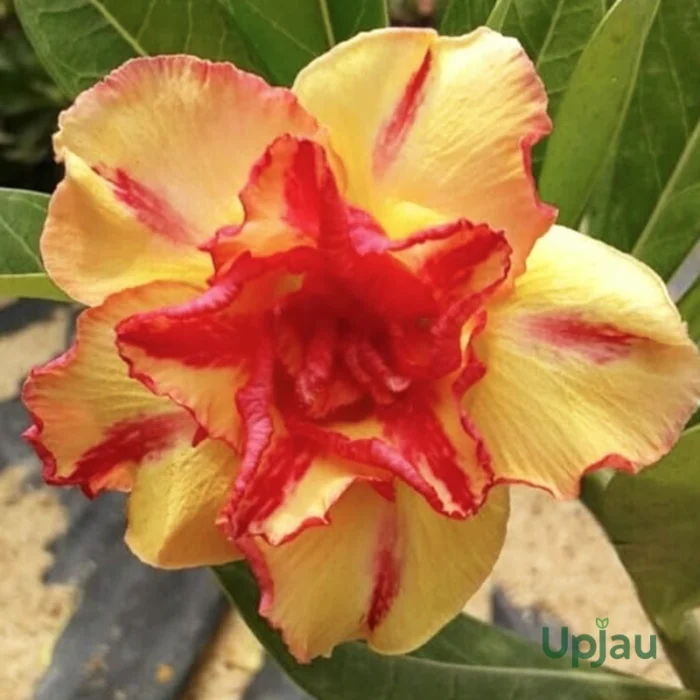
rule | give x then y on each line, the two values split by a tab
28	109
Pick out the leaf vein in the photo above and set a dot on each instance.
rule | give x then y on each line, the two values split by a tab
550	32
21	242
280	29
121	30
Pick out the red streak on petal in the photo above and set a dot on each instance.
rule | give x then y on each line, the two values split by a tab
394	132
411	424
374	452
472	372
318	362
354	251
387	573
283	467
600	343
386	489
202	333
131	442
303	183
460	263
464	265
149	208
254	403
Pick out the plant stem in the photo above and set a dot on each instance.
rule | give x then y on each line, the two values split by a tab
682	652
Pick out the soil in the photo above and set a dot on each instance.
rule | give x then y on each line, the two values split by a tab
231	662
32	614
21	351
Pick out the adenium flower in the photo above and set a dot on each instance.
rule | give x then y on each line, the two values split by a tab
329	326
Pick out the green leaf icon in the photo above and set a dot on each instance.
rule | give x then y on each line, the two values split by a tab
602	622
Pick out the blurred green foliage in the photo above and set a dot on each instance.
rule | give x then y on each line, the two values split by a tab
29	106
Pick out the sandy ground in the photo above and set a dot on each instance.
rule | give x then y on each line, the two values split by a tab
31	614
21	351
229	665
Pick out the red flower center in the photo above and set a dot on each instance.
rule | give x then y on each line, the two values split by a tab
342	317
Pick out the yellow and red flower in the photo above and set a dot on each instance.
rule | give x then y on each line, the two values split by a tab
329	326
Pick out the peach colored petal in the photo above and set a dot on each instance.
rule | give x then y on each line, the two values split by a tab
156	154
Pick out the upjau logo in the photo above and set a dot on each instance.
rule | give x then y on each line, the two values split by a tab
586	647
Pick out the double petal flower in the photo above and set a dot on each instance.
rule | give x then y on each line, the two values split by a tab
329	326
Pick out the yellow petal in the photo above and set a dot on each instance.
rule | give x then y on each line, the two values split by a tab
97	428
291	489
440	564
317	588
80	400
588	364
423	439
93	244
174	505
157	150
392	572
431	129
202	352
308	501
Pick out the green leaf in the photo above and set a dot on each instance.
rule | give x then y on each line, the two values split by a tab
694	420
654	521
288	35
79	41
554	34
468	659
349	18
22	217
593	109
461	16
689	306
34	286
498	14
651	202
